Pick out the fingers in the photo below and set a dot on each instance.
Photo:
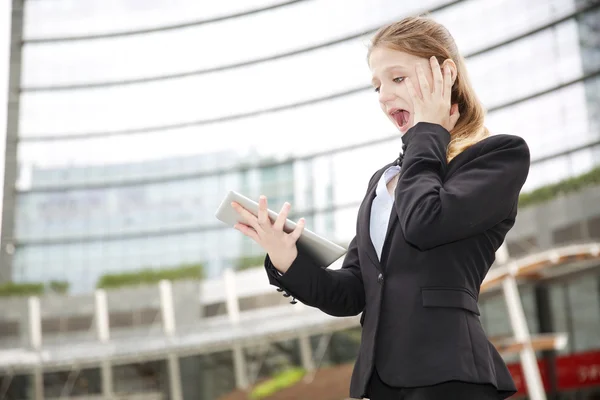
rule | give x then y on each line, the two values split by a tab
414	96
423	83
295	234
283	214
248	231
447	84
438	79
246	215
263	214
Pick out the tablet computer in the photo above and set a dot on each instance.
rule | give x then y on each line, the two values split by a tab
323	251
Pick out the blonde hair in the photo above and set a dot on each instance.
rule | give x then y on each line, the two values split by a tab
423	37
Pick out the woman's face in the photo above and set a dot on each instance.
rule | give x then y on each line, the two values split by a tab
389	69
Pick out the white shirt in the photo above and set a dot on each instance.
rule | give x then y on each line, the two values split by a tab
381	209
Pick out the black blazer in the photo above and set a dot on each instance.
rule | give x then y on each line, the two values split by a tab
420	316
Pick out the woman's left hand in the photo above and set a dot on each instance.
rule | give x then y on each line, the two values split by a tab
434	104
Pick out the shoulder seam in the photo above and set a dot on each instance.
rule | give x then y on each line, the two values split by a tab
513	140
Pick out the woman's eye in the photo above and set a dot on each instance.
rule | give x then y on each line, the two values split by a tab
395	80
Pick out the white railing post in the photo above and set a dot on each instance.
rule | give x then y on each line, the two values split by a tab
516	314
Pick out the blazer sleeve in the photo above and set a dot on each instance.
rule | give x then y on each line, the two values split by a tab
433	211
336	292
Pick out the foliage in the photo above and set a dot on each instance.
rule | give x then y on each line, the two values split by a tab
60	287
21	289
569	185
279	382
249	262
150	276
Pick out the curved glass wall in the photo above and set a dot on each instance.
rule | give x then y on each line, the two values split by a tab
129	141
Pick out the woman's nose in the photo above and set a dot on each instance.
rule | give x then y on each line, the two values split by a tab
385	95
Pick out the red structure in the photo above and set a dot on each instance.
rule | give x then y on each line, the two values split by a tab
573	372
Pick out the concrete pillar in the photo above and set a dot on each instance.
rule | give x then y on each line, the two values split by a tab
239	367
231	299
7	229
233	311
103	333
35	341
168	319
166	307
306	353
101	316
106	374
38	384
35	323
174	377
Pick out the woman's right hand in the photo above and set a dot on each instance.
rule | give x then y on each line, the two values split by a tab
280	246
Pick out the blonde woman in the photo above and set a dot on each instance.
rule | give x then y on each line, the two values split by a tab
426	235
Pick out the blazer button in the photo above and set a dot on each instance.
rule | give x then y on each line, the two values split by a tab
380	279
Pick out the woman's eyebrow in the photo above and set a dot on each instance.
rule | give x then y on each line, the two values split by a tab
393	67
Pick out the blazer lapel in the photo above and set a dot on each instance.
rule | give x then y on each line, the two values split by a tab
391	225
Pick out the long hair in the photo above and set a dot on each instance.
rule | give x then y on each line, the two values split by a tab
423	37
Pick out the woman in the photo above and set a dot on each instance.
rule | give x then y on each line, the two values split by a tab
427	231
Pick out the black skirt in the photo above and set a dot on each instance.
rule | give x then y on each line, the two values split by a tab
453	390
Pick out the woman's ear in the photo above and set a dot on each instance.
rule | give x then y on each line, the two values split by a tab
453	69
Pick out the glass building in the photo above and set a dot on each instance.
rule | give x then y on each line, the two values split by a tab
130	121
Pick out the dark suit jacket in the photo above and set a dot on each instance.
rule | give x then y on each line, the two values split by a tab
420	316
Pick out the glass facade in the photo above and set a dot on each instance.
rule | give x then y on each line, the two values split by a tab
78	234
128	142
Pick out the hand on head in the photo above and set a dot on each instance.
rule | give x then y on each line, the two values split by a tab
433	103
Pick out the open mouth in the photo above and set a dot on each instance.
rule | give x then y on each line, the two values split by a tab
401	117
